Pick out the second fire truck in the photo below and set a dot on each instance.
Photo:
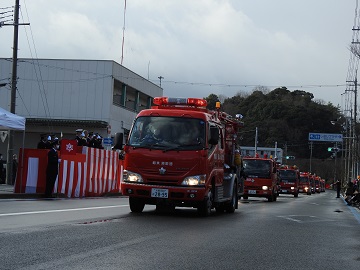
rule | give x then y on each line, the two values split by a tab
289	180
261	178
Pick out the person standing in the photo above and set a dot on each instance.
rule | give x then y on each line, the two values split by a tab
2	170
338	188
15	166
43	143
52	169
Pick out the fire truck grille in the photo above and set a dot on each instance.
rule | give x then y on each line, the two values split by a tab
254	188
161	182
156	172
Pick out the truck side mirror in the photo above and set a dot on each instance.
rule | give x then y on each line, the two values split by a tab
118	141
214	135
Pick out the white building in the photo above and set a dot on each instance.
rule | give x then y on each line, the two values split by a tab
58	96
261	151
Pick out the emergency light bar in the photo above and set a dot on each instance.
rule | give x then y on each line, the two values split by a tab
197	102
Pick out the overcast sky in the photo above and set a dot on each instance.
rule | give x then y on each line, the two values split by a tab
199	47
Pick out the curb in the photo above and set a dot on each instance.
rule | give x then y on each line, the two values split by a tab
56	196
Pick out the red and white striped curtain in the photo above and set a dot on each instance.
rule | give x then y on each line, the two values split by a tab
95	172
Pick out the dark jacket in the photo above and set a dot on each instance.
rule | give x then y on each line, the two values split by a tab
53	160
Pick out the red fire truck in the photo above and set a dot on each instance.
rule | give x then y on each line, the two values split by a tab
261	178
289	180
180	154
304	184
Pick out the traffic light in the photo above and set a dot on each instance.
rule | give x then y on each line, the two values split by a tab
330	149
290	157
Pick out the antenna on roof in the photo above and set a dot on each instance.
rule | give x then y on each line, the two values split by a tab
123	37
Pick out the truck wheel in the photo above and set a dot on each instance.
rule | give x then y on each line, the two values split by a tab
296	195
204	208
245	197
232	205
136	205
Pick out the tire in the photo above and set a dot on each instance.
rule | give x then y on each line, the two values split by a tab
230	207
296	195
204	209
136	205
245	197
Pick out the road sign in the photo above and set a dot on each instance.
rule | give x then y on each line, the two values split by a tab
325	137
107	141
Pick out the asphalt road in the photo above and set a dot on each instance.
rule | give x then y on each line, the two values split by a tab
309	232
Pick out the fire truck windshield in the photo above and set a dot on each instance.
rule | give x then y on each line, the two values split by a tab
304	179
257	168
168	133
289	175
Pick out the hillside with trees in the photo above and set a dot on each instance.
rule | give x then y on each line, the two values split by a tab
286	117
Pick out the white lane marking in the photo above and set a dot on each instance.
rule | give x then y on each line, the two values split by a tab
61	210
291	219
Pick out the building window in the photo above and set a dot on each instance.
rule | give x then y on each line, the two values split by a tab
117	100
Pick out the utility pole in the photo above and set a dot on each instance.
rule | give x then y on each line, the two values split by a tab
311	153
256	141
10	152
160	78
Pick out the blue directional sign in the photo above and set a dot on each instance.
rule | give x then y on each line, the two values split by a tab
325	137
107	141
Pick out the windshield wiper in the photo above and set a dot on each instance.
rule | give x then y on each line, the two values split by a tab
177	147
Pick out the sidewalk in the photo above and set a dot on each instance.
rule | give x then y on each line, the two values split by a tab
7	192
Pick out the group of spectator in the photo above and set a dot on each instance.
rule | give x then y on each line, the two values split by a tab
47	141
352	195
82	137
90	139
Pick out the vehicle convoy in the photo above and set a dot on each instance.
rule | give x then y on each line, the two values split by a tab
180	154
261	178
304	184
289	180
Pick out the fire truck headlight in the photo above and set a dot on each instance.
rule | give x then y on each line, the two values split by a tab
292	188
306	188
195	180
129	176
265	187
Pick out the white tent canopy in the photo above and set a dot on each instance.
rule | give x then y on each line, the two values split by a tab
12	121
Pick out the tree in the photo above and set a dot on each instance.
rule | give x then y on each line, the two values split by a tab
211	101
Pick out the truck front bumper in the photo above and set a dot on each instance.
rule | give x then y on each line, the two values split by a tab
153	194
257	192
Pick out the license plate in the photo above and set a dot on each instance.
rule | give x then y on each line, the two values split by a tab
284	190
300	190
159	193
252	192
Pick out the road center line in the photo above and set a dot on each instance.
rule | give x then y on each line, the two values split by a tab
61	210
